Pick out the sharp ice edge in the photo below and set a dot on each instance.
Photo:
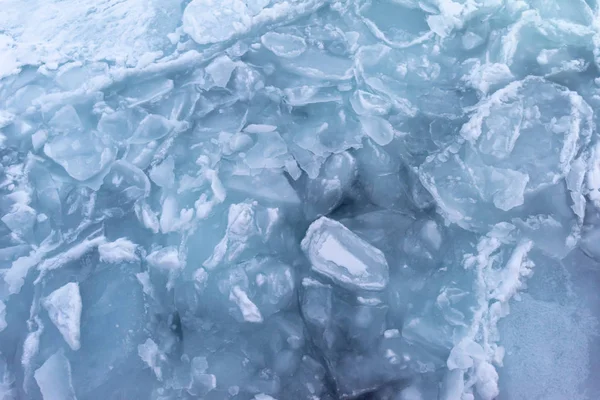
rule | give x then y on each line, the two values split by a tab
172	169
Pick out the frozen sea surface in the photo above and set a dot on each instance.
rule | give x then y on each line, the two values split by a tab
299	199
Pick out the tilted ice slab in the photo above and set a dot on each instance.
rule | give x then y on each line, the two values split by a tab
337	253
64	309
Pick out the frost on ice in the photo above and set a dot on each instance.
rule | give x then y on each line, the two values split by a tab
64	309
299	199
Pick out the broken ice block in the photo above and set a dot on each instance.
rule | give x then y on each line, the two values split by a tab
511	149
64	310
337	253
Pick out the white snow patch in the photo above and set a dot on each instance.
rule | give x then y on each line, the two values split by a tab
121	250
166	259
249	310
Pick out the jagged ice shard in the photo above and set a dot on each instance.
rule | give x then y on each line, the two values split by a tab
299	199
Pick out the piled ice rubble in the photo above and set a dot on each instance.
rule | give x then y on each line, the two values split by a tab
299	199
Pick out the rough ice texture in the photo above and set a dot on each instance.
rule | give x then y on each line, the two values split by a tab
299	199
64	309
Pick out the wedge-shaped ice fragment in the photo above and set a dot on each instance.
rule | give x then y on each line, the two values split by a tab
284	45
54	378
121	250
20	219
81	154
116	125
165	259
66	119
64	309
220	70
269	151
248	309
151	128
337	253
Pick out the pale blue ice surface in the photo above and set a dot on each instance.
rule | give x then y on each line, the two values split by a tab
299	199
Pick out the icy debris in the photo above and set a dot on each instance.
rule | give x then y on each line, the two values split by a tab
64	309
166	259
307	199
2	316
249	311
496	285
74	253
238	17
20	219
151	355
338	254
121	250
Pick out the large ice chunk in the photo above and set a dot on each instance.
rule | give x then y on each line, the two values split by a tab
64	309
81	154
338	254
514	147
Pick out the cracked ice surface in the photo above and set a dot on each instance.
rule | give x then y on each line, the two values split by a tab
299	199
